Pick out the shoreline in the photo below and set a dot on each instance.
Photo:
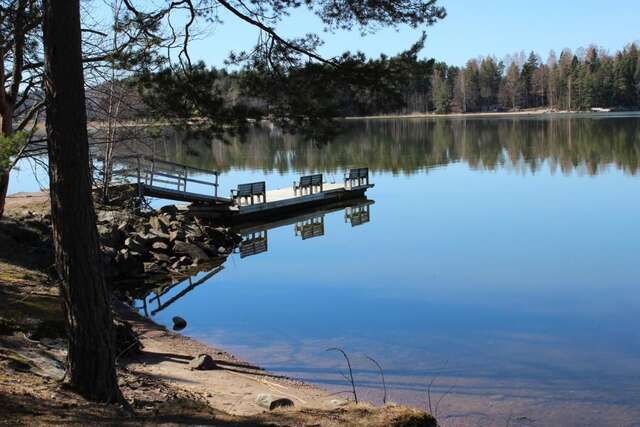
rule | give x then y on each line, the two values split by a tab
536	112
165	381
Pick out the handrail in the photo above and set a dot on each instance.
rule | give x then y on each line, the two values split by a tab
166	162
145	172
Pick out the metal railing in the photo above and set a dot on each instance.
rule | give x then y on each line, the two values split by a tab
150	171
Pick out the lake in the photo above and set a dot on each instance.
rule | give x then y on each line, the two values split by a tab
498	261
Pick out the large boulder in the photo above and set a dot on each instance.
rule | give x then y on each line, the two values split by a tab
189	249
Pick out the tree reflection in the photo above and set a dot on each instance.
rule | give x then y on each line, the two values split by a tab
583	144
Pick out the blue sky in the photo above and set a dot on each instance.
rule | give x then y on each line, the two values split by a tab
471	29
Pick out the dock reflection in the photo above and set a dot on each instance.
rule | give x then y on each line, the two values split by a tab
307	225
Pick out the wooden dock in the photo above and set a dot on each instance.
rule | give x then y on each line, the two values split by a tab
151	177
281	202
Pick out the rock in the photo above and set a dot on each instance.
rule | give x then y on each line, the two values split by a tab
179	323
165	220
125	227
195	233
148	238
161	257
170	210
217	237
152	268
160	247
222	250
182	262
203	362
118	236
176	235
271	402
134	243
160	235
338	402
193	251
155	224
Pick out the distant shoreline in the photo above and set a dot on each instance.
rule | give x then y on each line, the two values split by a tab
537	112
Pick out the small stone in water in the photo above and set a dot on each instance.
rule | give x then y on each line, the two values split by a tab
179	323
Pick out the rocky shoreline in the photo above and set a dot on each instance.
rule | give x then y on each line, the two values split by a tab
154	247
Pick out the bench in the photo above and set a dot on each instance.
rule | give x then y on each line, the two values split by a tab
251	190
309	182
356	177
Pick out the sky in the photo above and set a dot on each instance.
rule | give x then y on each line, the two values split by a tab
472	28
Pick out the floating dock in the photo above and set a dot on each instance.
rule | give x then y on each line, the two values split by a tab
152	177
279	202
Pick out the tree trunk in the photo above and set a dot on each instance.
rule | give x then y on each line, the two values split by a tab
91	359
4	185
7	129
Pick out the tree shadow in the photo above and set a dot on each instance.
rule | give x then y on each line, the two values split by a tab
26	243
29	409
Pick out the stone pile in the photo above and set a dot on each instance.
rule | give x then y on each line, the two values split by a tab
161	242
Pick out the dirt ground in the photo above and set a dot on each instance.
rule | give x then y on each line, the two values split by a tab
158	382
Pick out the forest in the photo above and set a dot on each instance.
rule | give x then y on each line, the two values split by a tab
574	81
571	81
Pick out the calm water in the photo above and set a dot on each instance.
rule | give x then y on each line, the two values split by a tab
500	257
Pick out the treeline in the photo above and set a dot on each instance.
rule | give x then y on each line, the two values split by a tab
582	80
311	94
571	81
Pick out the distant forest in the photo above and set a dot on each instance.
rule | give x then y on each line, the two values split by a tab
572	81
582	80
576	81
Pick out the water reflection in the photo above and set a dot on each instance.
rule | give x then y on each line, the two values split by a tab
564	143
517	287
254	241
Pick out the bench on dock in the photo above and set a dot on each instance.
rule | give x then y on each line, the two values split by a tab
250	191
356	177
308	182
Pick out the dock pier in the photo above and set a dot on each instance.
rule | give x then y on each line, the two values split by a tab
249	202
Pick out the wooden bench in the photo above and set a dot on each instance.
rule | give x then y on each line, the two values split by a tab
356	177
308	182
251	190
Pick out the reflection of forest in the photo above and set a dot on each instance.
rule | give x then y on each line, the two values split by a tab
566	143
